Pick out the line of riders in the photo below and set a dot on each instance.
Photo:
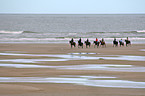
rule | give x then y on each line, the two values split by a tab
99	43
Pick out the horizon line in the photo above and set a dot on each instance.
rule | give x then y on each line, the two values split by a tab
72	13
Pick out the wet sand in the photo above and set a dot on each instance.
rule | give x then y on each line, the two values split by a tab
64	89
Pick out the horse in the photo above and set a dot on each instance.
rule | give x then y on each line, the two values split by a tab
128	42
80	44
115	43
87	44
102	43
72	44
96	44
121	43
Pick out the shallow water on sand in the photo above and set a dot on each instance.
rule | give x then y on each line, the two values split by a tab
76	56
142	49
72	56
104	67
78	80
95	81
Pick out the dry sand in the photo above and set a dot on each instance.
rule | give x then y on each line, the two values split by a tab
48	89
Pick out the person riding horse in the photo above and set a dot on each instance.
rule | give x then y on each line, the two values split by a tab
87	43
121	43
96	43
127	42
103	42
72	43
115	42
80	43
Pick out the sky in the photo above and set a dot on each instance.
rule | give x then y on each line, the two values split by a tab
73	6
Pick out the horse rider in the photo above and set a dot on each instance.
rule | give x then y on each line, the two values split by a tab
72	40
87	40
115	41
80	40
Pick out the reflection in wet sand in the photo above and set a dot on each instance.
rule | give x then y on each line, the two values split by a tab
82	53
104	67
70	57
79	80
95	81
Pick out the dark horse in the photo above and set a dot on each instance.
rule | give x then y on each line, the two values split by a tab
103	43
80	44
115	43
72	44
96	44
128	42
121	43
87	44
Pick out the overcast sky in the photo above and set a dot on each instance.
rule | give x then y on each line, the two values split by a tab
73	6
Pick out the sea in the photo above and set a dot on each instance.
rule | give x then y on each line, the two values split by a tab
60	28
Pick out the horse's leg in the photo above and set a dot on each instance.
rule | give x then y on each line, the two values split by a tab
126	44
74	45
97	45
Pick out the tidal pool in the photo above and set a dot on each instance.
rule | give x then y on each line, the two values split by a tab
104	67
78	80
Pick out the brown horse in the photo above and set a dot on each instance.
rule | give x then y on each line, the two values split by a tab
102	43
80	44
96	43
87	44
72	44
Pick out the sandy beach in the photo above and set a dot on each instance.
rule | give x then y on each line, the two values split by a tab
60	58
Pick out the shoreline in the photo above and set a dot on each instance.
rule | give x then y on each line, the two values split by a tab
66	41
